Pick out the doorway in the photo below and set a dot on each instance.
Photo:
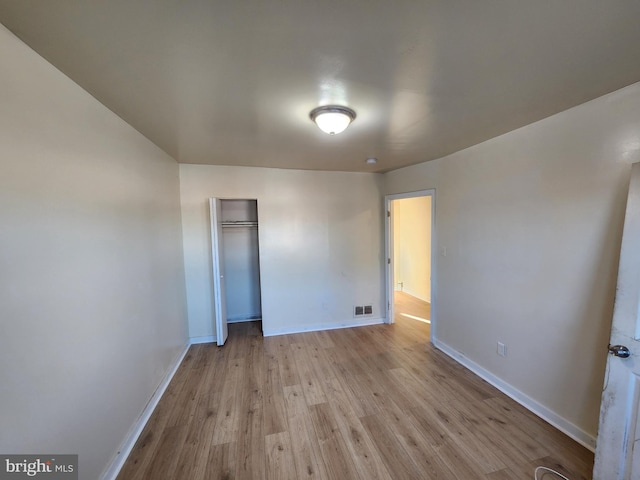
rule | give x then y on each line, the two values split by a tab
236	264
409	239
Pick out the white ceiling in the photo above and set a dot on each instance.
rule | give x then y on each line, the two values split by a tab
232	82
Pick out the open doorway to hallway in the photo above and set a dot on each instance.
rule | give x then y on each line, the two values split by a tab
409	244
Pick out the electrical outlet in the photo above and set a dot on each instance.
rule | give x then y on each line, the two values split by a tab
502	349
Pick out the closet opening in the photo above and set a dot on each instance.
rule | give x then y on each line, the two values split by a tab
236	265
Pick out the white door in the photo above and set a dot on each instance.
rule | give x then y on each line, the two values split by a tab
618	446
219	301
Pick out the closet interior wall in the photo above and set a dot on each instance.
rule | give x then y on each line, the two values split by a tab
241	260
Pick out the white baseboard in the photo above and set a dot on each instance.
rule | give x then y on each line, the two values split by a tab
267	332
416	295
583	438
207	339
132	437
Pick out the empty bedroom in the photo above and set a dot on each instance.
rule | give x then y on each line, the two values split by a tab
323	240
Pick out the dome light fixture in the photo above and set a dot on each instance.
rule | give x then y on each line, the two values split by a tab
332	119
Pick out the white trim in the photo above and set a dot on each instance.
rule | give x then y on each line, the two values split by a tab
390	283
323	326
132	437
583	438
417	193
206	339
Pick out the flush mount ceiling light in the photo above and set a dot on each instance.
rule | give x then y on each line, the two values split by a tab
332	119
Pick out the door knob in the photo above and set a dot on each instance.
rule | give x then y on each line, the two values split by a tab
619	351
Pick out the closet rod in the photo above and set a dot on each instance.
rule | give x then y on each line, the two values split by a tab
238	224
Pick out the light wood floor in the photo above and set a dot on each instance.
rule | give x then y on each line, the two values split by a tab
365	403
405	304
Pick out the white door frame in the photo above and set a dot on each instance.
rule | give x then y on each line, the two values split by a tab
389	260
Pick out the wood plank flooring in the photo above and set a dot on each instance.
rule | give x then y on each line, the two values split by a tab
408	306
365	403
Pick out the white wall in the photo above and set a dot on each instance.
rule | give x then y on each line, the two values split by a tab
321	243
92	303
532	223
412	246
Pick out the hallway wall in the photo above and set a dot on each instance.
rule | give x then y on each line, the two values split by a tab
412	246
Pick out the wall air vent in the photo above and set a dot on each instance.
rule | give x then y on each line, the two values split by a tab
362	310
